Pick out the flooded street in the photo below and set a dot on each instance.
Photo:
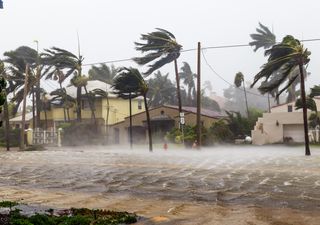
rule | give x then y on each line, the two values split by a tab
220	185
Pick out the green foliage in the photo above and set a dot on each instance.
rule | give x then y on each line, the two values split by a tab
264	38
8	204
14	137
81	216
220	132
161	48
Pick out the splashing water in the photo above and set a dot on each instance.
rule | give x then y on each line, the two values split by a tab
273	176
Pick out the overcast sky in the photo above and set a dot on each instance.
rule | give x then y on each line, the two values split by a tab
107	30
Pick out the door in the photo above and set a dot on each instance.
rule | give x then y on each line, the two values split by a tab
294	131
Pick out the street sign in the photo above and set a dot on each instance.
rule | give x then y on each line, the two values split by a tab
182	120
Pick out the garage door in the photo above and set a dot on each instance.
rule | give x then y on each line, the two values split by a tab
295	131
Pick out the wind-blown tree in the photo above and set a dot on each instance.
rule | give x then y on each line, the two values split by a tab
161	48
17	61
129	84
161	90
238	82
264	38
188	78
82	82
103	73
62	99
286	56
58	59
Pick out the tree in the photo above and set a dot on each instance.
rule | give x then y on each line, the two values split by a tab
161	48
128	84
238	82
264	38
161	90
103	73
58	59
286	56
61	98
188	79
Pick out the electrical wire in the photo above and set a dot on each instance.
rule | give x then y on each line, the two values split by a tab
218	75
192	49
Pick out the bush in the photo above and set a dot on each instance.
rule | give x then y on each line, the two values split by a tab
220	132
14	137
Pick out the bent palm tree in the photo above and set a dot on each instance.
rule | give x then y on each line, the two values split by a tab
238	81
161	48
264	38
128	84
58	59
286	56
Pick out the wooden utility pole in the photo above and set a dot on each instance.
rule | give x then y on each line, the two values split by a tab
199	97
25	92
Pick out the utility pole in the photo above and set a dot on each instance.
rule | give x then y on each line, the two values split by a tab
199	97
25	92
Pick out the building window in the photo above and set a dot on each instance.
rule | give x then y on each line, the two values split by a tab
139	104
289	108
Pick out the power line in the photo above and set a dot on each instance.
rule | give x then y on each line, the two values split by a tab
193	49
218	75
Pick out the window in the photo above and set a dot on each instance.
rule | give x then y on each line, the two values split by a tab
289	108
139	104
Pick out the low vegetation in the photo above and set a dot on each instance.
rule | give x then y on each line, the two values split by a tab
73	216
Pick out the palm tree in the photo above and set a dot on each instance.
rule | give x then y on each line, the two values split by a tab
161	48
128	84
58	59
161	90
103	73
264	38
238	82
4	104
82	81
286	56
61	98
188	77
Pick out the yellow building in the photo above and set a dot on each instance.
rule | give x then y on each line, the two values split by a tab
108	111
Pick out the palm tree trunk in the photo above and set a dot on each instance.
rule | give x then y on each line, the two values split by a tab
68	114
130	113
79	104
178	86
7	124
304	105
33	109
148	122
38	100
107	122
245	96
91	107
24	108
45	119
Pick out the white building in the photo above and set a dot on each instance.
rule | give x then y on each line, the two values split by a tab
283	123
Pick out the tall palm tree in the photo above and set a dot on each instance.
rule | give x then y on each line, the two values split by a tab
188	77
161	48
238	82
4	104
286	56
58	59
128	84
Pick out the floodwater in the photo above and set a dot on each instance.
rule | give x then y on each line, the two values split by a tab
218	185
